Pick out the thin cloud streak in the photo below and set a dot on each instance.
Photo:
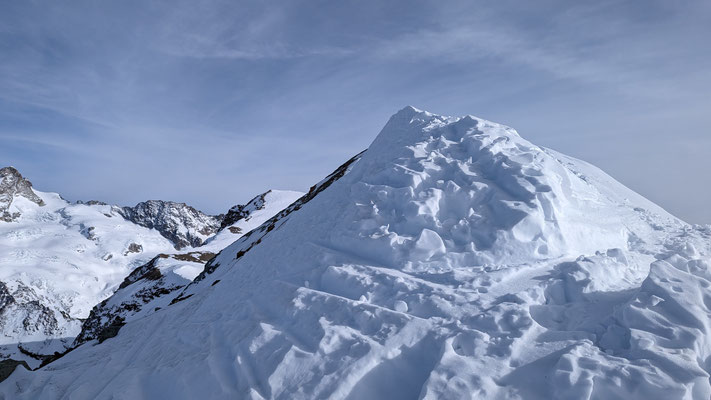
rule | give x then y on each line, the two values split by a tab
179	99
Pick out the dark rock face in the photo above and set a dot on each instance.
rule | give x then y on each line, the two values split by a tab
234	214
26	307
184	225
133	248
147	271
178	222
137	291
39	318
12	184
7	367
106	319
87	231
111	330
242	211
5	297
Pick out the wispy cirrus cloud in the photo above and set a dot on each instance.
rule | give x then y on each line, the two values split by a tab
174	99
575	44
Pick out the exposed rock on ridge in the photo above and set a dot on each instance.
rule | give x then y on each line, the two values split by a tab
178	222
242	211
12	185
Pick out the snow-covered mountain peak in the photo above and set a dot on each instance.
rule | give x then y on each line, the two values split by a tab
452	259
440	191
178	222
411	125
12	186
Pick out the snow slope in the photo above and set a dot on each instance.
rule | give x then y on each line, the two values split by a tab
452	259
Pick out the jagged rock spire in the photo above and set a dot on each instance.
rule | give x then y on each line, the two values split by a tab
12	185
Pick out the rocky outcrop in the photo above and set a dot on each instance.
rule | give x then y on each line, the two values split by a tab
178	222
13	185
133	248
8	366
107	317
184	225
141	292
243	211
92	203
22	310
5	297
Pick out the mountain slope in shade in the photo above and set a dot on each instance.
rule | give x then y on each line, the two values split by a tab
452	259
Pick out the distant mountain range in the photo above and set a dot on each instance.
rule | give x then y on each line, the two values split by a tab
58	260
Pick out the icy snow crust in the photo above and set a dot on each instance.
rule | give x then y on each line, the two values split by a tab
453	260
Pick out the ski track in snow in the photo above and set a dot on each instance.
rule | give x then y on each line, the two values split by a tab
452	260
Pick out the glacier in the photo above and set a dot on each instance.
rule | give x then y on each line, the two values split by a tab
58	260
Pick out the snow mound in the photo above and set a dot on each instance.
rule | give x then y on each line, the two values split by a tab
440	192
452	259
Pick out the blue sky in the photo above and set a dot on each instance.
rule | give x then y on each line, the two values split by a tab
212	102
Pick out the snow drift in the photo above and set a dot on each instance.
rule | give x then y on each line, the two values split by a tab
452	259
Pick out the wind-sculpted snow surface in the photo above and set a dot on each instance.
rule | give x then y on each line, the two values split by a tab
453	259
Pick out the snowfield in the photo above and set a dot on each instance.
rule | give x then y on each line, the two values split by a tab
451	260
57	261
